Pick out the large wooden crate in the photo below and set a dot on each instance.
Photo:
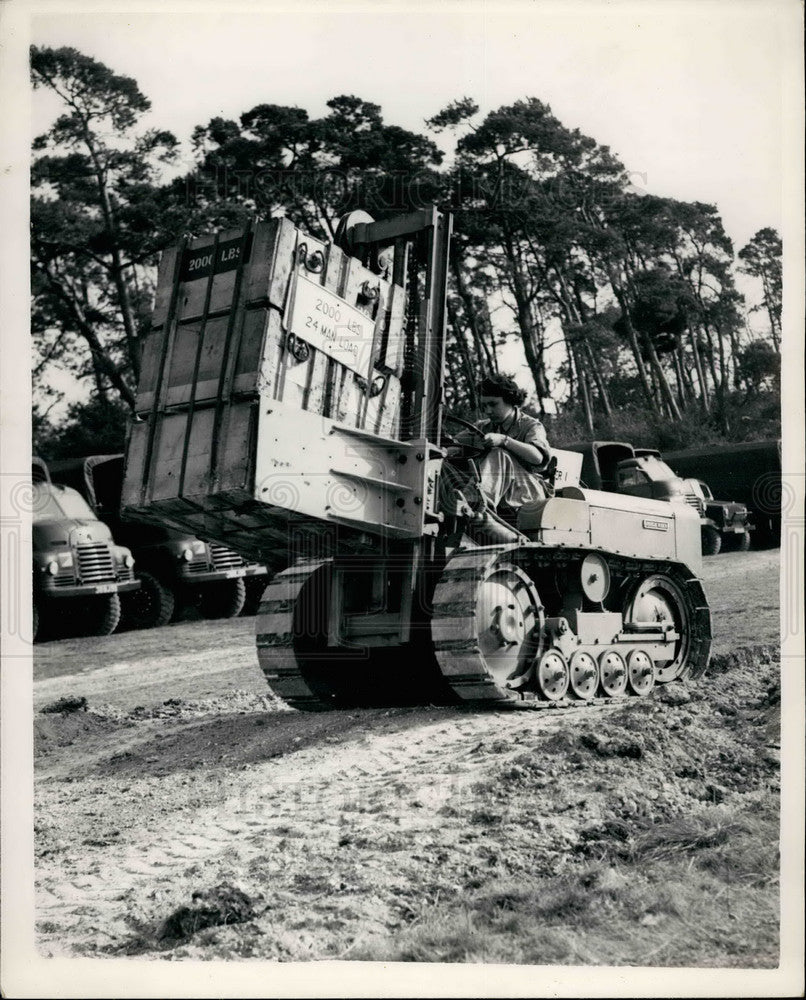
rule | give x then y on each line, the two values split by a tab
244	318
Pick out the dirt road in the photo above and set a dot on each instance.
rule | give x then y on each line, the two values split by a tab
342	831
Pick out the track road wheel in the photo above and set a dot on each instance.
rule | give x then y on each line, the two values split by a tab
486	625
149	607
711	541
640	672
223	599
612	673
584	675
552	675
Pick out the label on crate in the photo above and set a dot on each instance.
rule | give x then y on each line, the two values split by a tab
330	324
204	261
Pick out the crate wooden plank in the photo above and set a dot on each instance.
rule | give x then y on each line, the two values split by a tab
162	297
135	464
250	353
265	324
236	467
166	460
183	360
271	262
200	441
149	370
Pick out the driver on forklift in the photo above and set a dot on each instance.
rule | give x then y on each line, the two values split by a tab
517	448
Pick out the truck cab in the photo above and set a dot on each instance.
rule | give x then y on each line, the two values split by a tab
618	467
78	570
175	569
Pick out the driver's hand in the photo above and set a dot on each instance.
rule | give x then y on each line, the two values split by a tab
495	440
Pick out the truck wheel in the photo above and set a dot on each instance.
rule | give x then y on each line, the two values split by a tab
102	615
255	586
149	607
222	600
711	541
738	543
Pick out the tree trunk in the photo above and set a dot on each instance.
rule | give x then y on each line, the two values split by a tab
471	316
636	350
600	385
100	358
767	294
584	392
471	377
530	336
116	269
695	350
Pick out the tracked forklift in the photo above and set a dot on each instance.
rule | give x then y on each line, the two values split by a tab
291	407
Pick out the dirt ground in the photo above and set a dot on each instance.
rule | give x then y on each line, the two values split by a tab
185	812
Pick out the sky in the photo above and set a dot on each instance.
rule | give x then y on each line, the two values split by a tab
690	96
699	100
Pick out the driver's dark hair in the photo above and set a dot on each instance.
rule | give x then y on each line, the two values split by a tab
503	386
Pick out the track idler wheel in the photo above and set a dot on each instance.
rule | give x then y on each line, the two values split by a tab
552	675
583	676
613	673
659	599
640	673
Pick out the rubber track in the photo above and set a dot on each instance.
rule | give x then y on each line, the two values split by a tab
453	630
453	626
274	627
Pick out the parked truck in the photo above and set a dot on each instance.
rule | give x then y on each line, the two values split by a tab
291	397
618	467
749	471
174	568
79	572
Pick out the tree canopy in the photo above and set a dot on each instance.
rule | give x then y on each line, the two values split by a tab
625	305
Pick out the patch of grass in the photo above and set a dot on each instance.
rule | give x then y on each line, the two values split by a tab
732	845
675	894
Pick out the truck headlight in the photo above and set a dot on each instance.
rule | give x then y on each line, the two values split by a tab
53	567
187	554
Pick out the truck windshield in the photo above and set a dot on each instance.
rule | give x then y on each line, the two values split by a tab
54	503
632	477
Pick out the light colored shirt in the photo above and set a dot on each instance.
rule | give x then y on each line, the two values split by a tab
522	427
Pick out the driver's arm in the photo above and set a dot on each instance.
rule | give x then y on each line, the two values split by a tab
535	452
526	452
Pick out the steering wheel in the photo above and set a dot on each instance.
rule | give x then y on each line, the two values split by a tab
472	448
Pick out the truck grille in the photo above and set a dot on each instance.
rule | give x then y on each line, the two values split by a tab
224	558
65	578
199	564
95	563
695	502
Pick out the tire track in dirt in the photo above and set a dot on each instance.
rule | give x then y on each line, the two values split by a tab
276	829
